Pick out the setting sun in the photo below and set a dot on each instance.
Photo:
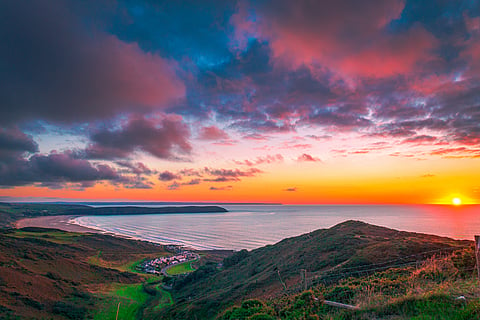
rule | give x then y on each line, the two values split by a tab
457	201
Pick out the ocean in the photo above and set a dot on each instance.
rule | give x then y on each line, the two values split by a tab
253	226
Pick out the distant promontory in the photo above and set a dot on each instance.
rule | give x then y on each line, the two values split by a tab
129	210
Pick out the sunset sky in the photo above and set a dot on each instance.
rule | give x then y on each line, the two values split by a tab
302	101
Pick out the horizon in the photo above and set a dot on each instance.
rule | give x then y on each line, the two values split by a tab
343	102
209	202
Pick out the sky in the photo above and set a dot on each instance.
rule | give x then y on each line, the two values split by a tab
302	102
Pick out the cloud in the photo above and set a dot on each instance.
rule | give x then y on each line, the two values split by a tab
174	186
319	138
421	139
168	176
165	138
206	175
227	188
456	152
137	168
268	159
344	35
191	172
308	158
294	189
212	133
14	143
56	170
222	175
191	182
428	175
58	66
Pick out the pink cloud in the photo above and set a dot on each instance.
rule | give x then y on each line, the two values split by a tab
212	133
277	158
308	158
347	36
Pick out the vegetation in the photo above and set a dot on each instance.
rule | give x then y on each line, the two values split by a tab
386	274
181	268
56	236
429	291
350	249
48	273
129	299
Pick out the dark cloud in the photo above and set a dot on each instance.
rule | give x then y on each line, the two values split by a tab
168	176
191	182
56	65
137	168
174	186
14	143
190	173
294	189
226	188
55	169
222	175
421	139
165	138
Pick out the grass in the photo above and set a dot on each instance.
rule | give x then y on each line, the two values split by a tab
59	237
164	300
428	291
181	268
131	298
130	266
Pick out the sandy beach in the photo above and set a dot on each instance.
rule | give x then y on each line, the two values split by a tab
57	222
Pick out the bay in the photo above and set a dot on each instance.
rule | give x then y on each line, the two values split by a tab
253	226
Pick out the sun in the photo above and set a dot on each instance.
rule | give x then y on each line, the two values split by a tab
456	201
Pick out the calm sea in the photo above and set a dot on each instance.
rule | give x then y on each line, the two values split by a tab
253	226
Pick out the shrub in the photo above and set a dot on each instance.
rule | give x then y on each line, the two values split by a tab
69	310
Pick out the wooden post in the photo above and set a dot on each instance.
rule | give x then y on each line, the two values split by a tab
118	309
281	281
303	275
477	254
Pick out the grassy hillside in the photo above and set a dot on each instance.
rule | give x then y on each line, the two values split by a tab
48	273
351	248
439	288
387	274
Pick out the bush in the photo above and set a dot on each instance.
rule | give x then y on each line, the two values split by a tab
235	258
69	310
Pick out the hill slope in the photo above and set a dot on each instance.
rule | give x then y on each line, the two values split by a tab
344	249
52	274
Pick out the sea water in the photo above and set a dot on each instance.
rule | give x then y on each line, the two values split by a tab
253	226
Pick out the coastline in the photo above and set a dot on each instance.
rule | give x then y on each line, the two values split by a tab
61	222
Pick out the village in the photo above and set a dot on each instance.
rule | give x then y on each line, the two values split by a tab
161	264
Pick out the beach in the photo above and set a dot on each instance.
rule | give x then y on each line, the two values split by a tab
56	222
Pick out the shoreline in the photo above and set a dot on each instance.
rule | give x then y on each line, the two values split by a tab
61	222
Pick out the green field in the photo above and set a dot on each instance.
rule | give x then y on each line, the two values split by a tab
181	268
131	298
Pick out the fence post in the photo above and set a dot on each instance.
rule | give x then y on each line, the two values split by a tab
477	254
